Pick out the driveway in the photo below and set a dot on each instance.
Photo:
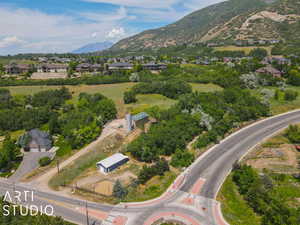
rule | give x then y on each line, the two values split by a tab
30	162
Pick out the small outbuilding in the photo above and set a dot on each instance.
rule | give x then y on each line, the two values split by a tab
111	163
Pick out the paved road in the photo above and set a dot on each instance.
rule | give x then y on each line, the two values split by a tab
180	203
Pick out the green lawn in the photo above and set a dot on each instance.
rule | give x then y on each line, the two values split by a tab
245	49
278	107
206	87
234	208
115	92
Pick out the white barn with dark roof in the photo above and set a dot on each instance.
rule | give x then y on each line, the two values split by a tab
111	163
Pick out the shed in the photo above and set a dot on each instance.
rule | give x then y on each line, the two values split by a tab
111	163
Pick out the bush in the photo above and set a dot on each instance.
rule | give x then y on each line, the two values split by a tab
290	95
45	161
129	97
182	159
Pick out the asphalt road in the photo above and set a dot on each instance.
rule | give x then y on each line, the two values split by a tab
213	166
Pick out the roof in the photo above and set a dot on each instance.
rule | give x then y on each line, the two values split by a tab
41	138
112	160
140	116
53	66
268	69
120	64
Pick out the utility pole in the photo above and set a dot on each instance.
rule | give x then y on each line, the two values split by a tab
87	213
57	165
14	193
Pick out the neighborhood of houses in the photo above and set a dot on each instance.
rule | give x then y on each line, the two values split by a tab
48	70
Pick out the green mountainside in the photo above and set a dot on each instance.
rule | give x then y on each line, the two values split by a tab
225	22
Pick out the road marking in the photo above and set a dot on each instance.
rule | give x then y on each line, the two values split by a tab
120	220
172	215
197	186
97	214
218	214
188	201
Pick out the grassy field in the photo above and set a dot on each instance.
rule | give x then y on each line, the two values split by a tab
115	92
245	49
234	208
88	160
153	188
278	107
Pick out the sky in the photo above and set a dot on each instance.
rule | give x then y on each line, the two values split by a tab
47	26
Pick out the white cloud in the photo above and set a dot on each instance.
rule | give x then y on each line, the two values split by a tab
11	41
116	33
43	32
153	4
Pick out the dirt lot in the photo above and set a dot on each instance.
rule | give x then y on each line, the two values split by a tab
283	158
44	76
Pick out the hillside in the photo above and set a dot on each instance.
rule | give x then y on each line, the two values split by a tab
224	22
93	47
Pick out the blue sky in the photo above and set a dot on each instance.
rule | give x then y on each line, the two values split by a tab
64	25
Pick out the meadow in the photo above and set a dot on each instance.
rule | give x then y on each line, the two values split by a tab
246	49
115	92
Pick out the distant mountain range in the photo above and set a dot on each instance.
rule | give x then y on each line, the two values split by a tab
93	47
225	22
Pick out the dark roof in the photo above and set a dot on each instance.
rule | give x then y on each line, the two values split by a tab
120	64
41	138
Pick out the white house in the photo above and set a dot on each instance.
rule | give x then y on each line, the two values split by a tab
111	163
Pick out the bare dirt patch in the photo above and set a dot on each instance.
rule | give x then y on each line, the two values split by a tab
45	76
283	159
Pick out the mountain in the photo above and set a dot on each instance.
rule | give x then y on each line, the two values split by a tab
94	47
224	22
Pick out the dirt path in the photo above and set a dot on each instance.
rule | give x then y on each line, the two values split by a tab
42	181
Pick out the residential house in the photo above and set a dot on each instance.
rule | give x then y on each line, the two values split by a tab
269	70
52	68
36	141
154	66
120	66
86	68
15	68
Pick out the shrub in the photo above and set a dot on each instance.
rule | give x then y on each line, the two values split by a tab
44	161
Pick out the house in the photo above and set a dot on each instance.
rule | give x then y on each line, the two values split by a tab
269	70
86	67
15	68
136	120
83	67
120	66
35	141
52	68
154	66
111	163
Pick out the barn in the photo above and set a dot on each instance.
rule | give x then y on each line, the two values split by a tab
111	163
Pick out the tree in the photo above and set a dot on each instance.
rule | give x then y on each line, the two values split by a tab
182	158
119	191
129	97
293	134
290	95
258	53
2	69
